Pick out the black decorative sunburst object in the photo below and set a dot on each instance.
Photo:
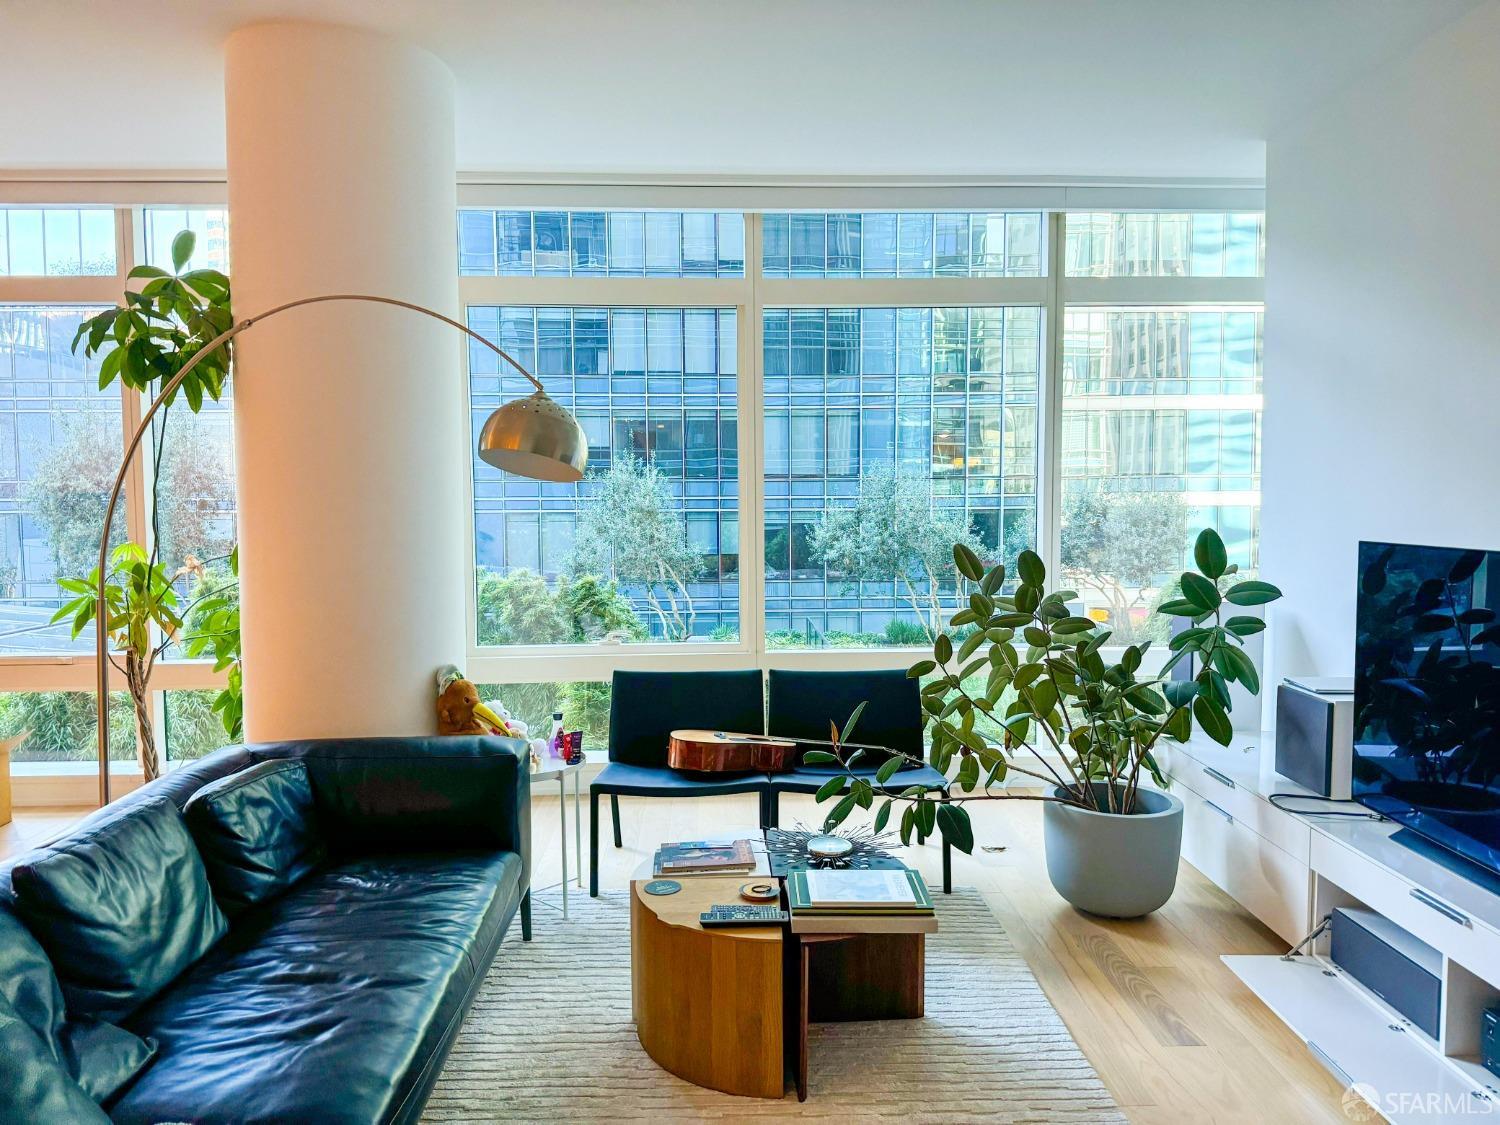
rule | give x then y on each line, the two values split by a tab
802	848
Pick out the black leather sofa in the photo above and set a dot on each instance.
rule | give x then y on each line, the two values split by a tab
286	932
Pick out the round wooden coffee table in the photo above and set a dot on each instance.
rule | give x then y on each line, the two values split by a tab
709	1005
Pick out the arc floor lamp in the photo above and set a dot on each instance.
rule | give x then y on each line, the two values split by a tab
531	437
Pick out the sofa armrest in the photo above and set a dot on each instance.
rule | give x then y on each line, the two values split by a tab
401	794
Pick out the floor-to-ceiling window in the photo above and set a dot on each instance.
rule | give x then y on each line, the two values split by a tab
61	438
792	414
1160	405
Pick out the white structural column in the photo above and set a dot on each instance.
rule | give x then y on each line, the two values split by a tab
351	444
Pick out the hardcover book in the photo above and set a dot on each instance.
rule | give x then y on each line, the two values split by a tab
703	856
857	892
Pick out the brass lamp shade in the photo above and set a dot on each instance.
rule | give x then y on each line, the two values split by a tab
534	437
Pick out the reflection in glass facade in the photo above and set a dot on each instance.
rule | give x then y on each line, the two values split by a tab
1165	244
601	243
656	385
948	395
901	244
56	241
1166	401
59	448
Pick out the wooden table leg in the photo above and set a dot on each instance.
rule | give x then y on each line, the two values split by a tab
804	966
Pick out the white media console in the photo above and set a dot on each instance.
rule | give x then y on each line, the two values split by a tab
1290	871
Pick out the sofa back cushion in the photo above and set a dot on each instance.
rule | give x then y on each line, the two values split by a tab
28	985
391	793
256	831
121	907
103	1058
98	1055
34	1085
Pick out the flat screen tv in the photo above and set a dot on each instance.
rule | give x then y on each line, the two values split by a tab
1427	694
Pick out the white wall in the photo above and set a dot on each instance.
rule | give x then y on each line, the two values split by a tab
1382	416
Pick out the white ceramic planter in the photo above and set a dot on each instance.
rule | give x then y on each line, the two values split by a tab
1114	865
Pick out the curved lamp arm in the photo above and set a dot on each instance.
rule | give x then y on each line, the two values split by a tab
101	639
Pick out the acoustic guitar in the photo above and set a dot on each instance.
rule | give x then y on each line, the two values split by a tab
717	751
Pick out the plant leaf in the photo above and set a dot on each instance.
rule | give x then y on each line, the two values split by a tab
182	249
1200	591
967	562
1251	592
1210	555
1212	719
833	785
953	822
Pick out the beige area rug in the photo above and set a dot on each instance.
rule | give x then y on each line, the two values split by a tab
550	1039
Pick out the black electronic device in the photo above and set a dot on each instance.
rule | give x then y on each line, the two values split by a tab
1402	970
1315	734
1489	1041
1427	694
739	914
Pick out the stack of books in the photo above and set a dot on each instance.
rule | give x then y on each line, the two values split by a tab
860	902
705	857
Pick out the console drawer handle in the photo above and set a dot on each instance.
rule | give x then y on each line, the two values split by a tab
1229	818
1333	1068
1219	777
1441	907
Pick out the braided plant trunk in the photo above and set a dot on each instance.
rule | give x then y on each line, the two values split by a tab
137	676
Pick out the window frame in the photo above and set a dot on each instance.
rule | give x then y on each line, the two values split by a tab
63	671
1053	293
749	295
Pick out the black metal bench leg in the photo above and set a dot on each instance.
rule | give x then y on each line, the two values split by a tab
947	861
526	916
771	808
593	844
614	815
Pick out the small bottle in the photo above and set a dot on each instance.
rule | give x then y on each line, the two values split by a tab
556	740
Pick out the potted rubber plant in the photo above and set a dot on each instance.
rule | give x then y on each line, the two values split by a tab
1029	691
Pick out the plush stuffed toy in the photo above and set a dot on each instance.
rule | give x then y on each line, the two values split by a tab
459	710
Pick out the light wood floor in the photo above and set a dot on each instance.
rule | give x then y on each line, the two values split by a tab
30	827
1171	1031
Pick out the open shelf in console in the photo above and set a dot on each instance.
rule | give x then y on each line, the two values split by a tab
1408	1075
1361	1042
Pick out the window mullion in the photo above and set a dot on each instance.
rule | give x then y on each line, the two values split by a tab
751	450
1049	456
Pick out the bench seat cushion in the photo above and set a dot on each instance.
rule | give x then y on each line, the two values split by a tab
333	1002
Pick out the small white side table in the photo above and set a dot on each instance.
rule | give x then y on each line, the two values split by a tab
553	769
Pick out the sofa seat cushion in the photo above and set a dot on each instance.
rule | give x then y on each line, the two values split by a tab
257	832
122	907
333	1002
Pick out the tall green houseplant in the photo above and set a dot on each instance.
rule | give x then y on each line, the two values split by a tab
146	340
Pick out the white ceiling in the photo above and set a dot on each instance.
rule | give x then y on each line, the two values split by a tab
1108	88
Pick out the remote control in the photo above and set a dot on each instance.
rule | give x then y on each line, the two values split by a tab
738	914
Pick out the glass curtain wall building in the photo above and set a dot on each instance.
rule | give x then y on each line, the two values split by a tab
888	431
